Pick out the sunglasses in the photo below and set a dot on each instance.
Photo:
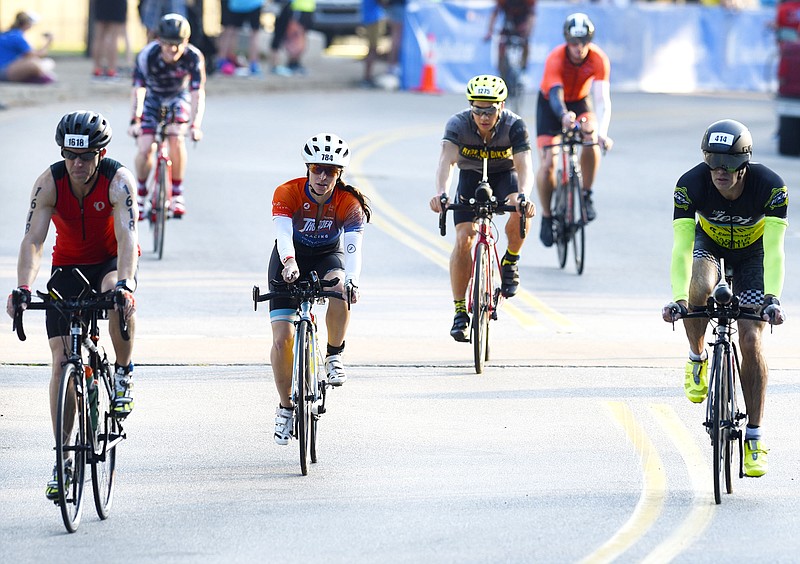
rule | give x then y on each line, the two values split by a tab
729	163
490	111
85	157
580	42
330	170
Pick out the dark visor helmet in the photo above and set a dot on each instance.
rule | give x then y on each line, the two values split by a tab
727	144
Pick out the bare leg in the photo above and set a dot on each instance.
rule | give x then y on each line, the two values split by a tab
754	374
144	156
461	259
281	356
704	277
546	180
590	164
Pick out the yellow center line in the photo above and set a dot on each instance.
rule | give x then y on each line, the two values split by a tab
703	505
437	249
654	483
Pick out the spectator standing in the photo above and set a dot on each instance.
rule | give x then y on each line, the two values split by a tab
374	20
290	33
241	12
110	17
19	62
396	12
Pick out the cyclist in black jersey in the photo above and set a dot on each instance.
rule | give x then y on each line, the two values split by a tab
485	128
168	72
731	208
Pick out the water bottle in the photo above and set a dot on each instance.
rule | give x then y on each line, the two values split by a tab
91	388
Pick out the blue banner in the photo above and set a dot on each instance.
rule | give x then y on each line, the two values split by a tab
652	47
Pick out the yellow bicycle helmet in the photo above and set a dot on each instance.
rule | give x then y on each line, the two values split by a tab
487	88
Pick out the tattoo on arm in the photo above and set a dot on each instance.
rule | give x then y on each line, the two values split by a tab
129	204
33	208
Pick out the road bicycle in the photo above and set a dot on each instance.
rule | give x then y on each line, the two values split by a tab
723	420
511	70
87	432
484	294
309	380
569	207
160	188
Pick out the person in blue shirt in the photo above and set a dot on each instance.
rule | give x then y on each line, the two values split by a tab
19	62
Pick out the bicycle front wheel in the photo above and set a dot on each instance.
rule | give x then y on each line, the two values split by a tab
107	431
578	235
561	223
728	417
159	213
717	405
481	294
70	445
302	366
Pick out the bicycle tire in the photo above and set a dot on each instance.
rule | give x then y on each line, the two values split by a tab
716	405
302	407
160	207
728	414
313	383
560	234
71	414
578	234
104	458
480	303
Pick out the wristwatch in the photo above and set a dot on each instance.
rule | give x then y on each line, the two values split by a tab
125	285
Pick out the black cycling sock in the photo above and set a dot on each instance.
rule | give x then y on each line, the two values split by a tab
461	306
509	258
335	350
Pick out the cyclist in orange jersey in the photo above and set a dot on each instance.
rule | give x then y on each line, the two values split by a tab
319	222
571	72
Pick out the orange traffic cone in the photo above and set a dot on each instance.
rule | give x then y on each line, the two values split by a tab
427	83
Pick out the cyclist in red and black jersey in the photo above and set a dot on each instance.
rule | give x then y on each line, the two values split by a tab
486	128
572	72
91	201
729	207
319	223
171	72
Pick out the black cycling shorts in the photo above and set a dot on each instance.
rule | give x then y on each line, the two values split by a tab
69	287
548	123
747	263
322	261
502	183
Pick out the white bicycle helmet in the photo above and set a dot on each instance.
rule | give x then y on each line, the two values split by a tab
326	148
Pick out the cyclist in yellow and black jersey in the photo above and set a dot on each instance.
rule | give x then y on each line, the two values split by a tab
728	207
485	129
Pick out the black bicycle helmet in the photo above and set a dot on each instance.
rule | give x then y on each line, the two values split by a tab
727	144
83	130
174	27
578	27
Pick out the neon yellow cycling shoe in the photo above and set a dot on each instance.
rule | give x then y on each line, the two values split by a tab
755	458
696	384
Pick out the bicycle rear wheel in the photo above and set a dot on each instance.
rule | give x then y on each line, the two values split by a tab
480	306
107	430
159	213
70	445
302	405
578	235
717	405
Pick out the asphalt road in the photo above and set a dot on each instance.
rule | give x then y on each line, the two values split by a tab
576	443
